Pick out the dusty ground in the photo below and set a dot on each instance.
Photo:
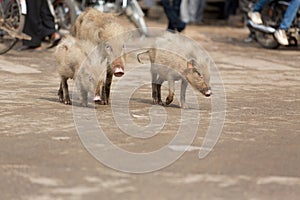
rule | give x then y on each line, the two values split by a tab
256	157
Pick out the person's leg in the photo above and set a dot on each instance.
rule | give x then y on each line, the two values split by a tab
290	14
172	13
169	13
193	6
227	8
184	11
180	25
234	7
260	5
176	6
48	24
255	14
32	25
200	11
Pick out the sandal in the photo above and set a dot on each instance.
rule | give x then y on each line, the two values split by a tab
55	39
31	48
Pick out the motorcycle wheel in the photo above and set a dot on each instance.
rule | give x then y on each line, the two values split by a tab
66	13
138	20
272	16
266	40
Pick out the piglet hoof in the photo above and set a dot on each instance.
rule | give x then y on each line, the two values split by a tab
158	102
103	102
169	100
60	99
68	102
184	106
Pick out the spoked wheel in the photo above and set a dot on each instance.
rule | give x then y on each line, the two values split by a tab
11	24
66	12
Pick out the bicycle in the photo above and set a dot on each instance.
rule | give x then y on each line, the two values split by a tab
12	19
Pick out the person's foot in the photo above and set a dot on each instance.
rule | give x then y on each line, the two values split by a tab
55	39
196	23
251	37
248	40
31	48
281	37
171	30
182	27
255	17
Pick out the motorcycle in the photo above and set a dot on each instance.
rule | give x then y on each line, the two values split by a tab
272	16
130	8
65	13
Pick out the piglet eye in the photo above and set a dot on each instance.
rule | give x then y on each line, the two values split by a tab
91	78
108	48
199	74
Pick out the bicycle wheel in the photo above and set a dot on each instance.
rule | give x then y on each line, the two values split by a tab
11	24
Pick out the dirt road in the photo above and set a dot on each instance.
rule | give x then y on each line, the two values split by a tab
256	157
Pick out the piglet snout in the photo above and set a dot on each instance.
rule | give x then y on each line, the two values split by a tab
97	98
118	72
207	93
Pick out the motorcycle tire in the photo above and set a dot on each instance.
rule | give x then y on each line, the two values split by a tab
66	12
272	16
132	12
266	40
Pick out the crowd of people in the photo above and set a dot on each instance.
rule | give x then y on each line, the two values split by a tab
40	25
192	11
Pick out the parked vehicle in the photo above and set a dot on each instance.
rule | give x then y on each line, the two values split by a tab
65	12
130	8
12	19
272	16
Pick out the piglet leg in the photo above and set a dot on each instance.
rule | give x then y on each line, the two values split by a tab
60	93
169	99
184	85
65	90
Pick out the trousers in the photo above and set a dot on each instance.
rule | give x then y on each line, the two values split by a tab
39	22
172	11
289	14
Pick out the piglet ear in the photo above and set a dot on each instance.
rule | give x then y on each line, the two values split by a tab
190	64
65	47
